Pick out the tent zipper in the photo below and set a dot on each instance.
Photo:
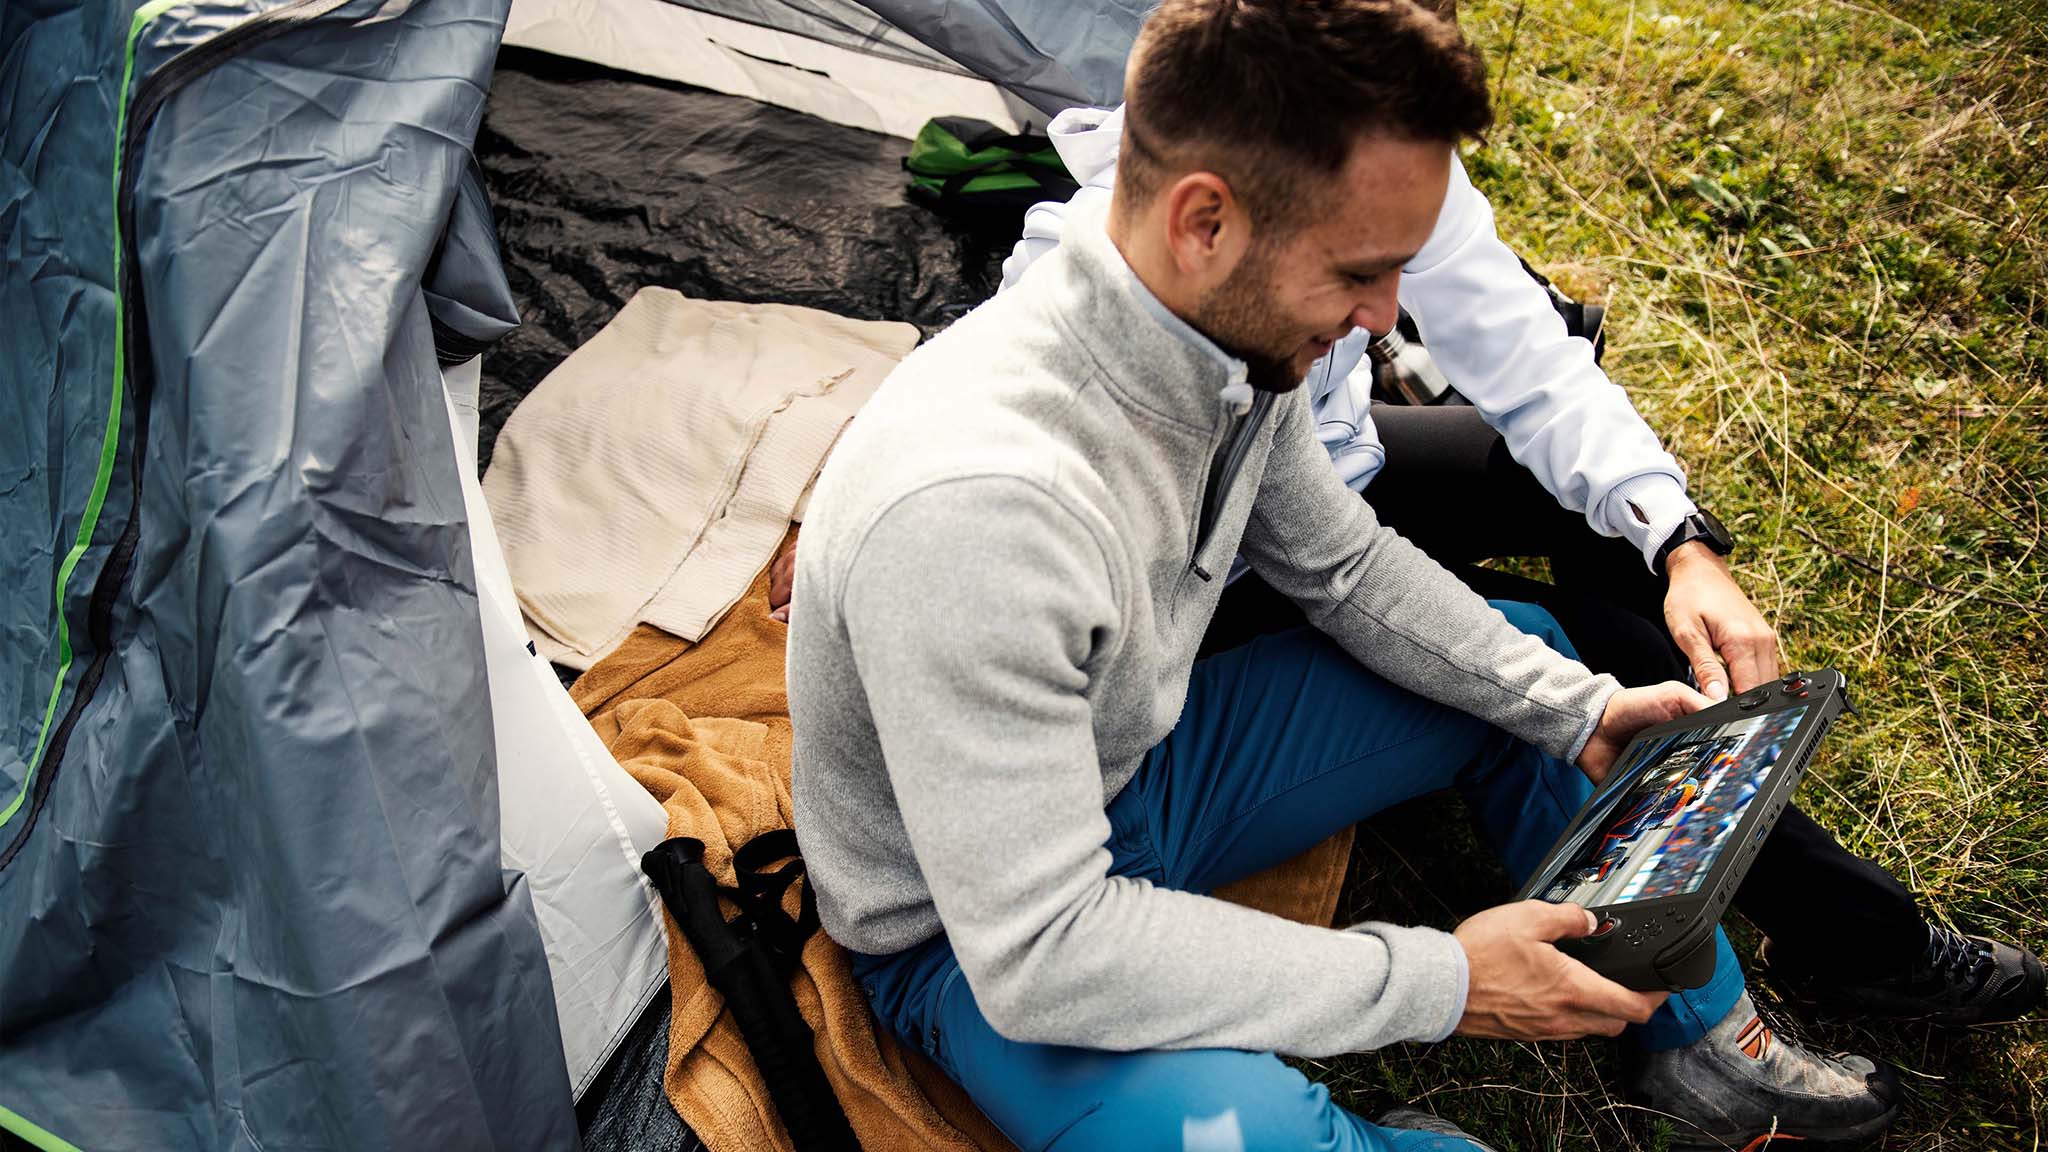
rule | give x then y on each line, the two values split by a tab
150	96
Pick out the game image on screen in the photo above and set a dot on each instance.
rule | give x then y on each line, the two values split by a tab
1675	810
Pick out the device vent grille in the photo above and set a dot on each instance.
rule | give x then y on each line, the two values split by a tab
1799	765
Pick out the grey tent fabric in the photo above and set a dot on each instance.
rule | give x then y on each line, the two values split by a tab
468	299
56	291
1053	54
251	881
843	23
251	892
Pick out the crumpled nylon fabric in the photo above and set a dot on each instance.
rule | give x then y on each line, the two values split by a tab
604	183
1052	54
263	905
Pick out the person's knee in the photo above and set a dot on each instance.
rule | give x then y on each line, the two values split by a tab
1537	621
1215	1101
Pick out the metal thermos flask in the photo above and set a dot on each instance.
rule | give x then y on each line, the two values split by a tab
1404	373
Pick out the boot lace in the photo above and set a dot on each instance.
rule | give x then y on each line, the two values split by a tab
1957	958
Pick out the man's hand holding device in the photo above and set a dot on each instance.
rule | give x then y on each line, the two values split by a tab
1628	897
1629	711
1659	850
1727	641
1520	987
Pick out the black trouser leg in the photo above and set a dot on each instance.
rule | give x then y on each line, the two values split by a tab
1826	906
1451	487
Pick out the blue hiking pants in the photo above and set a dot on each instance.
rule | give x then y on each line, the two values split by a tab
1283	742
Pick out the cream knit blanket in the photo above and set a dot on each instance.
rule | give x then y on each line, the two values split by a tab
650	477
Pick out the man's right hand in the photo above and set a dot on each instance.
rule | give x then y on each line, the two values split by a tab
782	579
1521	987
1629	711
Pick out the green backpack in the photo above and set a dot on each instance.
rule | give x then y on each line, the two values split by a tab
972	167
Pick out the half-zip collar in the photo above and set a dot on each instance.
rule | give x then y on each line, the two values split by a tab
1187	378
1236	392
1156	361
1239	401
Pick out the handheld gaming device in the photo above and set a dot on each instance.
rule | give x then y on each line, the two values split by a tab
1659	850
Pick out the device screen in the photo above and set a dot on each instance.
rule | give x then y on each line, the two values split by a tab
1673	811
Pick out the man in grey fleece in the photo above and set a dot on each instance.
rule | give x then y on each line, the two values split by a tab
1014	783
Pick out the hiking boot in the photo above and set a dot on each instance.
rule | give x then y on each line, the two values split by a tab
1416	1120
1956	980
1741	1087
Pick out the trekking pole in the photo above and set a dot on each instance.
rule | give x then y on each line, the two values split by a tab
739	966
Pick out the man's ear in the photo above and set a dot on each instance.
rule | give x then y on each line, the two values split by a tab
1207	228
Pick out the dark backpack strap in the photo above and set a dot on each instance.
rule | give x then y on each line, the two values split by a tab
980	135
758	893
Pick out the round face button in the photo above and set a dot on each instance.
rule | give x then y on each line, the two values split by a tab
1605	928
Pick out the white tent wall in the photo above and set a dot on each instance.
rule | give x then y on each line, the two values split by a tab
669	42
570	817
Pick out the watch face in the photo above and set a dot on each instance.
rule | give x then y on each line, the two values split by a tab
1717	533
1703	526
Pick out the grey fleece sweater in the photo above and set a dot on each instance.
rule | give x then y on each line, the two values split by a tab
997	606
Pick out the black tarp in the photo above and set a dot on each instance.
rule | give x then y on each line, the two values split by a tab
605	183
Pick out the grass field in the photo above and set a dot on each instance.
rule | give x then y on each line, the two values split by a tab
1822	232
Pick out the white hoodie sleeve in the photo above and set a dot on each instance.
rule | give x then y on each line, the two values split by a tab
1492	331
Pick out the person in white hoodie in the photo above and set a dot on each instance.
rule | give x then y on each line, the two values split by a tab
1550	458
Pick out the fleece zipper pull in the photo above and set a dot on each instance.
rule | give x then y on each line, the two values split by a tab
1224	478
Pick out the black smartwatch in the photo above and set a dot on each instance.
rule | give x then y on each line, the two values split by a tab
1702	526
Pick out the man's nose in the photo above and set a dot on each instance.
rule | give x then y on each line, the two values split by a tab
1378	310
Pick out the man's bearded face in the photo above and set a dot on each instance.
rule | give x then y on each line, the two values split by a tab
1240	316
1299	289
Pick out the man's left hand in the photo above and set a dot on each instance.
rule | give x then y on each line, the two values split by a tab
1629	711
1721	633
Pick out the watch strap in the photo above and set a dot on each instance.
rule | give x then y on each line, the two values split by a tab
1697	526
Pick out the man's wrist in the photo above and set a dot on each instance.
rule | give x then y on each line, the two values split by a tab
1701	526
1690	554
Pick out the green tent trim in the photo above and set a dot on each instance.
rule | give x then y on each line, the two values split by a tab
110	444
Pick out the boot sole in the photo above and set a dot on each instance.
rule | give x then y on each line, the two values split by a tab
1837	1140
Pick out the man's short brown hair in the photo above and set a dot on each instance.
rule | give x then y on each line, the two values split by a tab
1269	93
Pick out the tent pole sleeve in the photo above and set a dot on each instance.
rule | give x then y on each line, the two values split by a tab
27	1129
